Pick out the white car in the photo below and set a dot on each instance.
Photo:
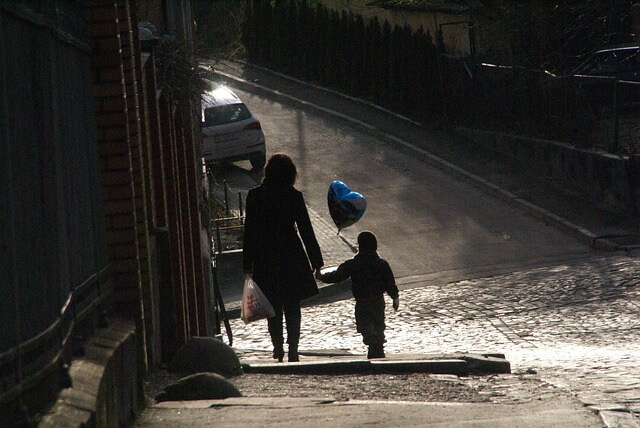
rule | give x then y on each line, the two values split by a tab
230	132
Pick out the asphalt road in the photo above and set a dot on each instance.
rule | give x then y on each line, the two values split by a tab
428	223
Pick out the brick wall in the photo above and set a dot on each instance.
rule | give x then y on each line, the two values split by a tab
150	183
116	157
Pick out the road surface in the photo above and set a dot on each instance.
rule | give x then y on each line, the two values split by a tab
429	224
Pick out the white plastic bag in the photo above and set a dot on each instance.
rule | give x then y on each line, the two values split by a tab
255	305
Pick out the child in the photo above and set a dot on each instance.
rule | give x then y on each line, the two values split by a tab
370	277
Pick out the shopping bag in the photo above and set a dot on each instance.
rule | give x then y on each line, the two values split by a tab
255	305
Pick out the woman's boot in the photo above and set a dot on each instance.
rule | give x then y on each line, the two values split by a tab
293	353
376	350
278	352
275	331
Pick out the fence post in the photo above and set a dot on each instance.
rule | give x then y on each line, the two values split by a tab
218	239
573	88
443	100
514	99
102	320
226	198
616	113
240	203
439	65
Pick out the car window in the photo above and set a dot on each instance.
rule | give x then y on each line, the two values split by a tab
617	61
628	60
221	115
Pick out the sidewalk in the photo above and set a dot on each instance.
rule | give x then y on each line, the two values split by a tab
305	412
290	407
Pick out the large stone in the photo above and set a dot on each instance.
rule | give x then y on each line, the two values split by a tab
206	354
199	386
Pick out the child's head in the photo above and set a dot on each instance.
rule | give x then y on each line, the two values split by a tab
367	242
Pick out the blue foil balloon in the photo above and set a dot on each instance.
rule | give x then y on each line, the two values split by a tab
345	206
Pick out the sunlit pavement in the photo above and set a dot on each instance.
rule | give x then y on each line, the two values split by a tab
577	325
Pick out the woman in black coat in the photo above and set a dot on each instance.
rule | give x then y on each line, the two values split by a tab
273	253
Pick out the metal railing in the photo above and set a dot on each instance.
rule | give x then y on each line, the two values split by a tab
230	224
216	227
590	112
29	363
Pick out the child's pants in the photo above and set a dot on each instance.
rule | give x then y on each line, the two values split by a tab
370	320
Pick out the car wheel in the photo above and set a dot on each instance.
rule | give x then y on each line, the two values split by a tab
258	162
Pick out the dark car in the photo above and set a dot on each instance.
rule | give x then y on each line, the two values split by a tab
620	62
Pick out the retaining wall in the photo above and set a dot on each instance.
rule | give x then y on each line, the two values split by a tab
105	387
599	177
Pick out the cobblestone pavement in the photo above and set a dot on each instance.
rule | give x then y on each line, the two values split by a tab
577	325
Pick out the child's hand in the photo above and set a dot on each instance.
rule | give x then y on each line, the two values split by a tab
396	303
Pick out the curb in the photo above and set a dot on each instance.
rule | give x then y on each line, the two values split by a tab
486	364
584	235
365	367
614	416
457	364
327	90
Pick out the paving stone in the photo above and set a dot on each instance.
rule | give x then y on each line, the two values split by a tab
68	416
613	419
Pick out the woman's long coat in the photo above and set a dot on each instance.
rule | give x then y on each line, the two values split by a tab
272	249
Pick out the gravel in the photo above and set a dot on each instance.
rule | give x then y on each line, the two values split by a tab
406	387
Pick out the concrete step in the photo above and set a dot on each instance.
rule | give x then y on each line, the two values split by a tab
456	364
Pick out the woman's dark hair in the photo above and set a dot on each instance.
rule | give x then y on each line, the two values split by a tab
280	170
367	242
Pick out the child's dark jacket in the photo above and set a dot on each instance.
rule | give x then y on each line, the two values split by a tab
370	276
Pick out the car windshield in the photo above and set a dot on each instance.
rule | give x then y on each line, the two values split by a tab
220	115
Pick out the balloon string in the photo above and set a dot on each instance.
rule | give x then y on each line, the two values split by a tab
353	248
